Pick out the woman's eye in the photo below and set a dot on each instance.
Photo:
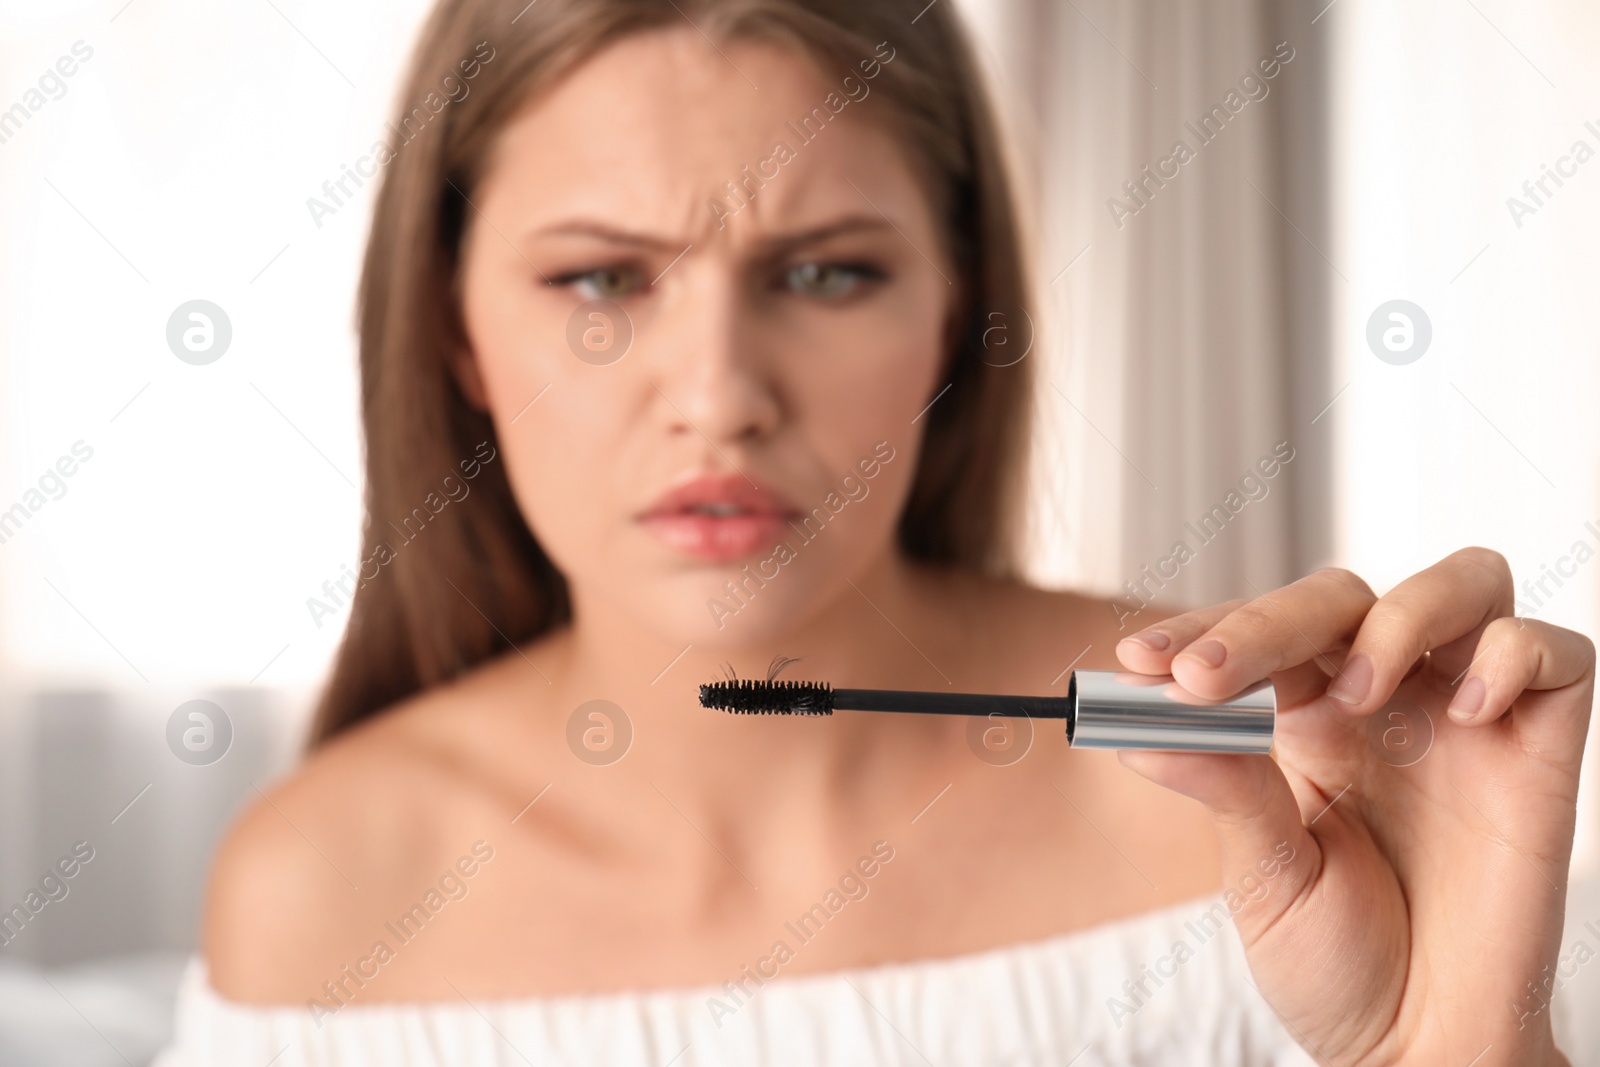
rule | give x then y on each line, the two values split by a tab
605	283
828	279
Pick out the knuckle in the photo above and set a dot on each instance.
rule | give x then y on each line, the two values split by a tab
1486	559
1177	623
1217	616
1397	610
1251	812
1346	580
1395	626
1586	646
1391	613
1253	620
1510	640
1506	631
1191	624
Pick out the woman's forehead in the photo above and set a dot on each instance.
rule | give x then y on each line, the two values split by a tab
663	129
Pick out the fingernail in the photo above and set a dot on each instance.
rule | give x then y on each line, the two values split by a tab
1211	652
1154	640
1354	681
1468	700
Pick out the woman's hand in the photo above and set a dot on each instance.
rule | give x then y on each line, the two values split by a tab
1420	919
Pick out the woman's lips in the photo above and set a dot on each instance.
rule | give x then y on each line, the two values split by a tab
718	538
718	518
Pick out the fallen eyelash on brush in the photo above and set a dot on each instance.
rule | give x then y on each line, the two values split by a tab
1102	709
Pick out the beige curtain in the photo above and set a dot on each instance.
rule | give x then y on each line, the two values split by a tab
1184	317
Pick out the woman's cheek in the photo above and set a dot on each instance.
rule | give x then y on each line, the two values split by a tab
556	458
907	345
878	390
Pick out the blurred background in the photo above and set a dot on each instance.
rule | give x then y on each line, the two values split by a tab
1378	256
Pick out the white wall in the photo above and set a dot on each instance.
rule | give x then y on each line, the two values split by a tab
176	166
1491	437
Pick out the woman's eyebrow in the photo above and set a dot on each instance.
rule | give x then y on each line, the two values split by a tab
604	232
860	223
598	230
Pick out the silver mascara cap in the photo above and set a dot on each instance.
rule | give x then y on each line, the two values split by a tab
1119	709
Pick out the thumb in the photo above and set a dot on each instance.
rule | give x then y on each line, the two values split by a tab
1257	819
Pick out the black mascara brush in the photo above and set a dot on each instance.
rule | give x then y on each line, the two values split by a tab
1102	709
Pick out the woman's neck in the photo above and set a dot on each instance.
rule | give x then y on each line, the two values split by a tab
888	628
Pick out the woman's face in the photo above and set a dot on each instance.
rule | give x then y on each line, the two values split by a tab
745	410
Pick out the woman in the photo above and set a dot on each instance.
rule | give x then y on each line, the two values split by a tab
673	362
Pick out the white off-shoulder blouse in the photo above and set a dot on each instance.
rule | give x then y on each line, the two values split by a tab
1164	989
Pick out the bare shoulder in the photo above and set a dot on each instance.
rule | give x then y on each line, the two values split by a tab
366	824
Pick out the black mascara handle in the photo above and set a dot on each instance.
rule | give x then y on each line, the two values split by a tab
1014	707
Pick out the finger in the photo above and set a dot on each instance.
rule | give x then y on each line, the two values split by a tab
1312	617
1433	608
1150	651
1257	818
1516	655
1301	684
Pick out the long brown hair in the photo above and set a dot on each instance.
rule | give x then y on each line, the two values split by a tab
475	581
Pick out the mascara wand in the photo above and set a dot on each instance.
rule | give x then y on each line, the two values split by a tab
1102	709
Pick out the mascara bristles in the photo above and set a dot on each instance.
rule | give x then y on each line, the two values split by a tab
750	697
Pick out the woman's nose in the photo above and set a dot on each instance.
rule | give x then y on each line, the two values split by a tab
715	378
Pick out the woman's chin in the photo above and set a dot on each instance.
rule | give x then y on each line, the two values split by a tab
754	623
